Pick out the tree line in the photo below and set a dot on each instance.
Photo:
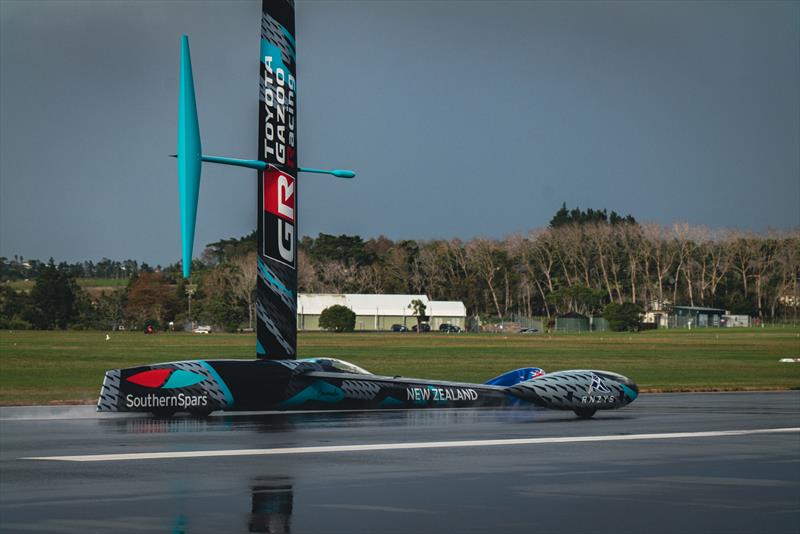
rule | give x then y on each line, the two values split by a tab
574	267
582	262
221	295
18	268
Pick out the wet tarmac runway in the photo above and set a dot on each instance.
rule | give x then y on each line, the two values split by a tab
644	468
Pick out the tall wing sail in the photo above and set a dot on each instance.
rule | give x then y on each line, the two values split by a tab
276	300
189	155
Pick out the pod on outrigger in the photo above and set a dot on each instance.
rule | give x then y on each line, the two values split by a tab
276	380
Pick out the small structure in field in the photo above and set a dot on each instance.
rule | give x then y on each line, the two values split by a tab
695	317
572	322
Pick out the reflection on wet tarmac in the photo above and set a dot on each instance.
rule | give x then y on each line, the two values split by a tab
283	422
271	505
187	424
178	425
180	524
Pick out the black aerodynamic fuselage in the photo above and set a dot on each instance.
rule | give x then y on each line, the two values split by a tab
202	386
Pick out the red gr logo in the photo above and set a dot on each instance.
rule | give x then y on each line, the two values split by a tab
279	215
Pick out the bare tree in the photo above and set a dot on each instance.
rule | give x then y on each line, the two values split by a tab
631	235
719	262
765	255
428	265
369	279
543	254
484	255
395	269
307	279
709	262
518	254
601	237
574	253
244	273
461	279
663	255
742	257
335	276
682	244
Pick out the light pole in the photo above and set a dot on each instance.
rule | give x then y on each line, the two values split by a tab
190	290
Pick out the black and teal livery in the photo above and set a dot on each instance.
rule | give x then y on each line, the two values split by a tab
202	386
276	380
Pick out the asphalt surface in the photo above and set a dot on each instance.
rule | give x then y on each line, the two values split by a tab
710	483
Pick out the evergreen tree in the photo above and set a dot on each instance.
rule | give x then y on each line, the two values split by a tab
419	312
622	317
564	217
14	306
338	318
53	299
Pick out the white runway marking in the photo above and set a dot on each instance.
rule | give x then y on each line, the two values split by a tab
404	446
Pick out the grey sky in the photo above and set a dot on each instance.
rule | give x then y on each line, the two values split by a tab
461	118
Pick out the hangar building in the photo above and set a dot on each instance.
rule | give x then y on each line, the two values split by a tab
379	312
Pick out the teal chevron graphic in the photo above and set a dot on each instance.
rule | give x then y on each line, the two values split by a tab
181	379
318	391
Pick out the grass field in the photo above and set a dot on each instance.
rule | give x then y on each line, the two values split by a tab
55	367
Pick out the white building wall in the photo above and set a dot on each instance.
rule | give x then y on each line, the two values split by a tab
369	309
736	320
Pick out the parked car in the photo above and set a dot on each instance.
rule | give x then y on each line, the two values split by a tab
425	328
528	330
202	330
447	327
399	328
